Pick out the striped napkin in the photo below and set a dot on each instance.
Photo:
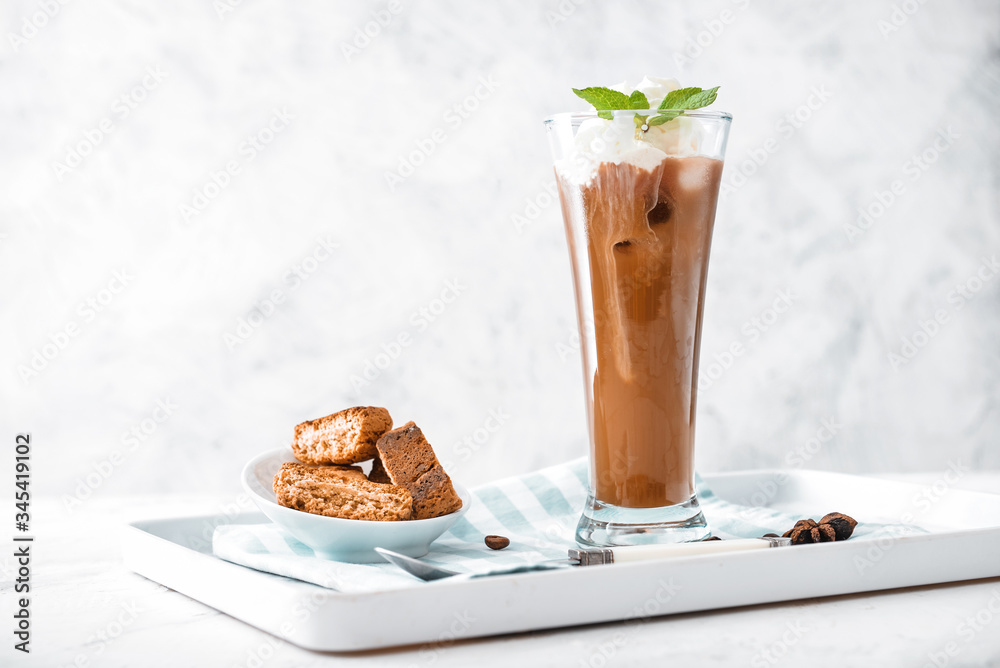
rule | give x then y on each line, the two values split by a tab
538	512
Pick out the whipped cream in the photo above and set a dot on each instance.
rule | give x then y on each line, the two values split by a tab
655	89
619	140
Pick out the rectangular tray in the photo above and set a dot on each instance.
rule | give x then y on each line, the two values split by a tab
963	544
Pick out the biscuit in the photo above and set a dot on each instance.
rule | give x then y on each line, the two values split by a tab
340	492
346	437
409	461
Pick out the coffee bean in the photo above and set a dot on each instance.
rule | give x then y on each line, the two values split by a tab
497	542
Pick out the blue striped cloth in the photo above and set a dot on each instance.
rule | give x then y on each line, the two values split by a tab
538	512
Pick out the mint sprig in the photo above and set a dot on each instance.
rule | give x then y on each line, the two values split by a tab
676	102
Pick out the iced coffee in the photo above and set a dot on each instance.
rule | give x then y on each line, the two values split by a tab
639	203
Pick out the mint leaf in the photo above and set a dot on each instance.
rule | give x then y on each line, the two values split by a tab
689	98
663	118
604	99
637	100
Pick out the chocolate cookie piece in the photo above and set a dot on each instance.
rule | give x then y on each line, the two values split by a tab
409	461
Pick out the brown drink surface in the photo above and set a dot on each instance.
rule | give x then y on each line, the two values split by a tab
649	233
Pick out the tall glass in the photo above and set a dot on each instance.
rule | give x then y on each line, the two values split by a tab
639	205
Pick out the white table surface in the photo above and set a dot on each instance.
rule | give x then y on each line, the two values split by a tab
89	610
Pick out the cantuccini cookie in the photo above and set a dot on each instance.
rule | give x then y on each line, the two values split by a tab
408	460
342	492
346	437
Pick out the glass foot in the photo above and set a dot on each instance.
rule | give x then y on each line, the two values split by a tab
605	525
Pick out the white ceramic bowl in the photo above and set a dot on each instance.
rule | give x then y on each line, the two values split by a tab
339	539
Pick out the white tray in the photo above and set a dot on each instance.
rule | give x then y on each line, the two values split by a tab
964	545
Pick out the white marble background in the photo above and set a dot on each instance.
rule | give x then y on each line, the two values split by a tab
883	79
